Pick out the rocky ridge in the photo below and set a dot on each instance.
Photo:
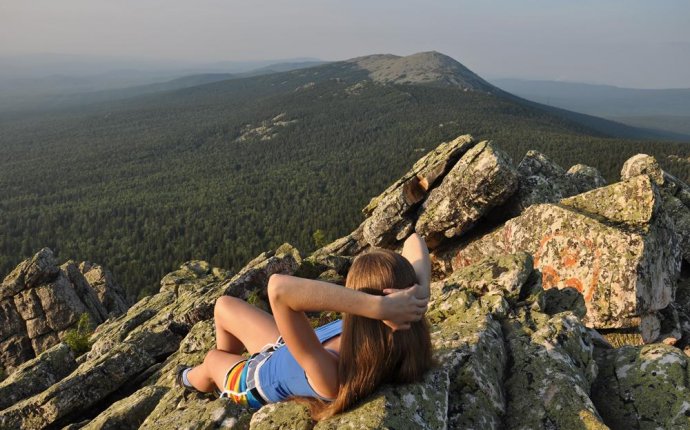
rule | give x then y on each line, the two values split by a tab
40	302
538	272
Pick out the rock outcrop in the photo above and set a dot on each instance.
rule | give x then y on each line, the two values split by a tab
615	245
40	302
390	216
675	194
543	181
481	180
537	272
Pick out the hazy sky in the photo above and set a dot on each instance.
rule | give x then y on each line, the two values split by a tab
643	44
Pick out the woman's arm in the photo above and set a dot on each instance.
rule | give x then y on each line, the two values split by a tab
291	296
417	253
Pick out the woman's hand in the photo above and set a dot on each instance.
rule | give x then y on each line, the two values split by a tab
401	307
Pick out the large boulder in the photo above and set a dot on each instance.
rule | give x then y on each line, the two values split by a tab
585	178
482	179
390	216
505	274
675	194
633	203
624	263
643	387
30	273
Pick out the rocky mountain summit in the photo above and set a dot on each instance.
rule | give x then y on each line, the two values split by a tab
422	68
558	302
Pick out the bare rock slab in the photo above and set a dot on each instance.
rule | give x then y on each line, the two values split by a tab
130	412
643	387
482	179
622	274
388	215
37	374
84	387
551	372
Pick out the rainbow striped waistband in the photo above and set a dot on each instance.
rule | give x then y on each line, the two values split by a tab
235	387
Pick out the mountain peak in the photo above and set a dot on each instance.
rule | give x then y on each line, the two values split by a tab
429	67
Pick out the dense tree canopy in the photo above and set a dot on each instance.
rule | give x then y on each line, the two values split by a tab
224	171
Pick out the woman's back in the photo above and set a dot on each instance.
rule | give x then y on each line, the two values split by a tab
280	376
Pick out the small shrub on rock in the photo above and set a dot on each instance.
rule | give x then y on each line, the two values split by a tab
78	339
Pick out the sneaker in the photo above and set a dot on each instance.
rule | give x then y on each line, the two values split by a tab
178	381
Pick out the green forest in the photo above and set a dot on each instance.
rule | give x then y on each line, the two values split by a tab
225	171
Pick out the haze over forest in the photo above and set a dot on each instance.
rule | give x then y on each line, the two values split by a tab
635	44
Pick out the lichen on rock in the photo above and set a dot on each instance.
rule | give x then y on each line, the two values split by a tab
643	387
482	179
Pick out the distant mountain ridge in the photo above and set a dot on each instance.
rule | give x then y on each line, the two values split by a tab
656	109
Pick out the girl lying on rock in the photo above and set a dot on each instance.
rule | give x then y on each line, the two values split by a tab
383	336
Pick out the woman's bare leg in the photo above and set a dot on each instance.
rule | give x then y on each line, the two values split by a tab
240	325
211	373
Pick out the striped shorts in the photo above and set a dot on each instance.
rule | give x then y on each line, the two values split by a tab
241	382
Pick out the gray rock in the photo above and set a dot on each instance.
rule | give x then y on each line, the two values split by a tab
36	327
39	269
643	164
552	369
351	244
10	321
390	217
60	303
14	351
482	179
544	181
130	412
621	273
643	387
110	294
283	416
86	294
42	303
632	203
585	178
88	384
37	374
28	305
45	341
501	273
413	406
534	163
675	194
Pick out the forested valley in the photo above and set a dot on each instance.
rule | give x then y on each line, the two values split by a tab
225	171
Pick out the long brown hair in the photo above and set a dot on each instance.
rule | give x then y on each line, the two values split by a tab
371	353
